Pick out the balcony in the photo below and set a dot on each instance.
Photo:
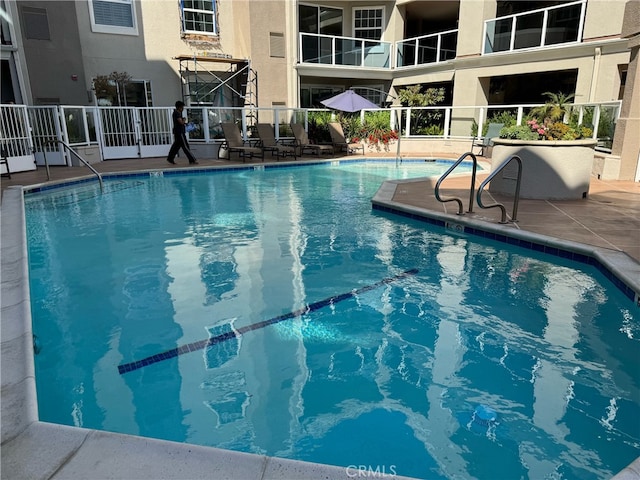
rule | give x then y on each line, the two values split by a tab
434	48
344	51
535	29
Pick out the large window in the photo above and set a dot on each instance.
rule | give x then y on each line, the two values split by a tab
318	19
368	22
310	96
113	16
374	94
199	17
321	20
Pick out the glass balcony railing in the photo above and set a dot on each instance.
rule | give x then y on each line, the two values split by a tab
534	29
347	51
539	28
437	47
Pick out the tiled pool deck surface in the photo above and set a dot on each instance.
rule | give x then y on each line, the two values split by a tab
605	226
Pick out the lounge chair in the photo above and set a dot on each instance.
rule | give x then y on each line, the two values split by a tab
269	143
303	143
233	142
492	131
340	142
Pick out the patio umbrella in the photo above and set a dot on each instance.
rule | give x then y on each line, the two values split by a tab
348	101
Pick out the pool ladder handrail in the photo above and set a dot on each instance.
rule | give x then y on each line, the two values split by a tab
471	190
77	155
516	196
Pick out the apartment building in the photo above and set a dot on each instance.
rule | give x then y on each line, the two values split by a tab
297	52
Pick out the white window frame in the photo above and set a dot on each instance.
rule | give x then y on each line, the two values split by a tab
213	13
373	7
99	28
373	93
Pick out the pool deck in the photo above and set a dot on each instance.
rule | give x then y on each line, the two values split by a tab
606	226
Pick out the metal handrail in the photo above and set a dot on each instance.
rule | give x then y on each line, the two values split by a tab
71	150
516	197
473	183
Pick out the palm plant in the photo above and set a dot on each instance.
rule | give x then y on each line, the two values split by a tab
554	109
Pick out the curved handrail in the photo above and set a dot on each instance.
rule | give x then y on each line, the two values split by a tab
473	183
516	196
68	147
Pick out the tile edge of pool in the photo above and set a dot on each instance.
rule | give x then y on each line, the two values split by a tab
619	268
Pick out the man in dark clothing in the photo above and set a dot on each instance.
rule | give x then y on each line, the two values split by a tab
179	137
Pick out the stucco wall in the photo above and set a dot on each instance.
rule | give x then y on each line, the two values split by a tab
52	63
471	22
604	19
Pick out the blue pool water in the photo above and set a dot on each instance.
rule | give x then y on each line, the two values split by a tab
272	311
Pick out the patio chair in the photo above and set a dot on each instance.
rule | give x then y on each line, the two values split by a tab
340	142
303	143
233	142
492	131
269	143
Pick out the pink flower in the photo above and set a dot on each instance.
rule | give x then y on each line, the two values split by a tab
541	131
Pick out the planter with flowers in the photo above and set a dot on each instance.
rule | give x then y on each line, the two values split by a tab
556	157
378	139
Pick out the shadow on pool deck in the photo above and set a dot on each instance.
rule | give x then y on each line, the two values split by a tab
609	219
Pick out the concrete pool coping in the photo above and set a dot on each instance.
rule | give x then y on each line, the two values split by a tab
39	450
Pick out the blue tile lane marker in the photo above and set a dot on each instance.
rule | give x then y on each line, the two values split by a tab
201	344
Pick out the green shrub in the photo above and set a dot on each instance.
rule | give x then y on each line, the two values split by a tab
431	130
518	132
505	117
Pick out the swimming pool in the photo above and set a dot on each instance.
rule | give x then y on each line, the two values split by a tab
348	333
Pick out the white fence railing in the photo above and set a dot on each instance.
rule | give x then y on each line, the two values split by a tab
141	132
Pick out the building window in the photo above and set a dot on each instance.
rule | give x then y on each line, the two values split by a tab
622	71
199	17
113	16
310	96
35	23
318	19
133	93
374	94
367	22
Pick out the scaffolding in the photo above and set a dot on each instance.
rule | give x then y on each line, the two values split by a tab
203	85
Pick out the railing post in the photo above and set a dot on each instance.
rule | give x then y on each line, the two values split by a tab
415	59
276	123
512	39
438	47
362	53
596	121
480	122
408	123
447	122
581	23
333	50
205	124
543	33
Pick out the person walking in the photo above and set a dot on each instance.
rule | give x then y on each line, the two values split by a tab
179	136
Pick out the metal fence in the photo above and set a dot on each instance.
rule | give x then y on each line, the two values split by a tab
142	132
